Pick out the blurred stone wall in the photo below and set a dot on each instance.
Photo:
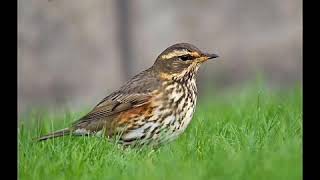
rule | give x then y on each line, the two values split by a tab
68	50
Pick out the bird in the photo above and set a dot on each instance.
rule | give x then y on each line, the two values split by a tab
152	108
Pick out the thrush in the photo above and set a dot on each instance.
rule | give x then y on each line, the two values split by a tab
154	107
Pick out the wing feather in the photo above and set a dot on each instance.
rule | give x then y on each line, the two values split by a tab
136	92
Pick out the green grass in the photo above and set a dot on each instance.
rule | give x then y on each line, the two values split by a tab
245	134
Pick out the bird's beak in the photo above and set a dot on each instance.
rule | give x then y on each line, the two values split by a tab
211	56
205	56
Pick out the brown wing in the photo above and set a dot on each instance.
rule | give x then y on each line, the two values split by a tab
135	93
105	111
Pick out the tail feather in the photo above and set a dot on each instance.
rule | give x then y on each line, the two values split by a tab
55	134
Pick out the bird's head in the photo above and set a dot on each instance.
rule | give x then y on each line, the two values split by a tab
180	60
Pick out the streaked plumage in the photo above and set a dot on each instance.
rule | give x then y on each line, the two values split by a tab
153	107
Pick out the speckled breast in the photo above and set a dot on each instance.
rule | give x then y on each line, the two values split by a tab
172	111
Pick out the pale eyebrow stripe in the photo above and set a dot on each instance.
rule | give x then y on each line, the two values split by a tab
175	53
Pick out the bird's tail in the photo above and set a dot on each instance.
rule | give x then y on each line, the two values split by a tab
55	134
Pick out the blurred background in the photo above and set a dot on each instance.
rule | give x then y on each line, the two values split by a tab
72	53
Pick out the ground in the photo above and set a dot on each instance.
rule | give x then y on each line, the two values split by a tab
248	133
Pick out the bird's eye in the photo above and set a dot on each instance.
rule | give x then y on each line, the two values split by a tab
186	57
